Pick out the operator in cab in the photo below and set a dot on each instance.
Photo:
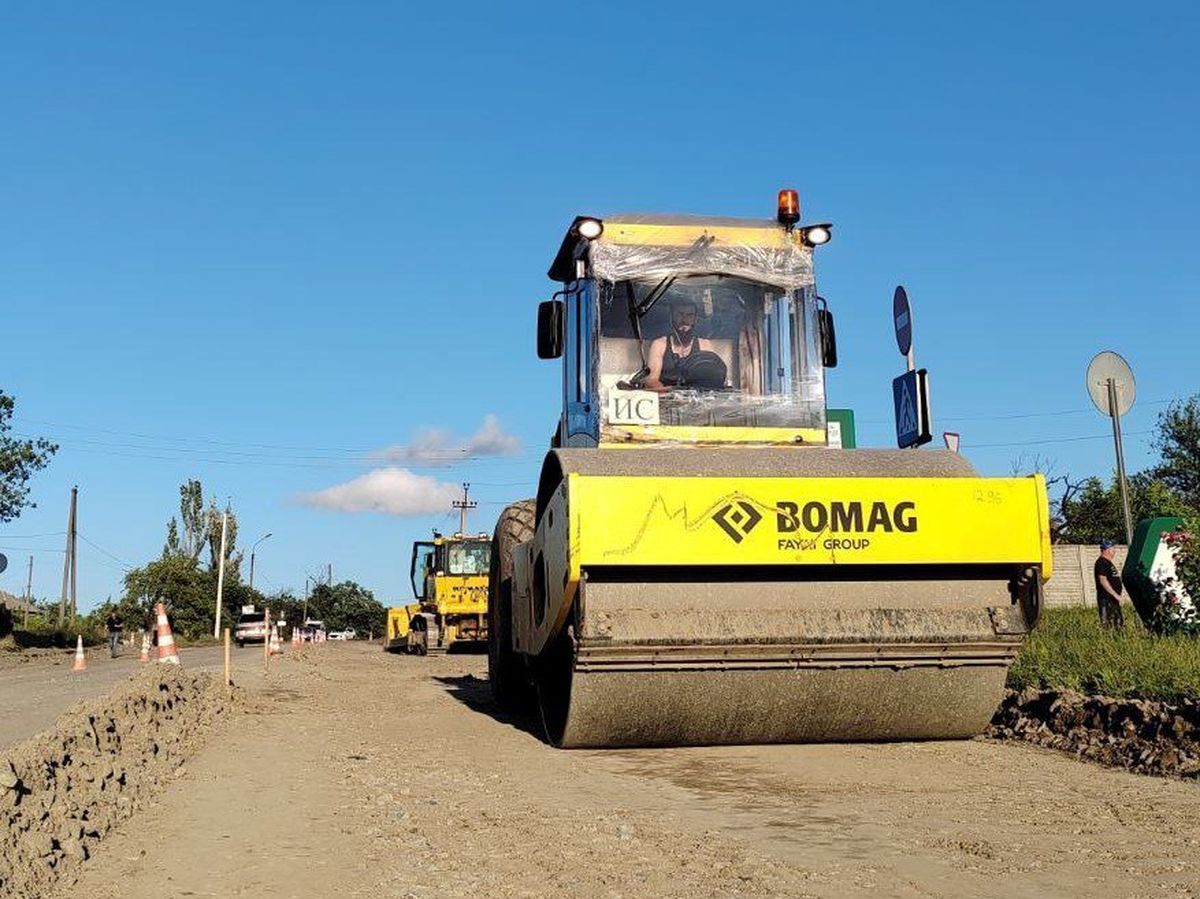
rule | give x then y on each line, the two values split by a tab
680	358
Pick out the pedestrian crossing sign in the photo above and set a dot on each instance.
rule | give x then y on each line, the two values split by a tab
910	398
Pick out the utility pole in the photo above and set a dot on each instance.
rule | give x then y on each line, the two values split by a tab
220	577
463	505
28	593
68	580
74	556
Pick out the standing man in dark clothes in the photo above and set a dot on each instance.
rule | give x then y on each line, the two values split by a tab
114	632
1108	587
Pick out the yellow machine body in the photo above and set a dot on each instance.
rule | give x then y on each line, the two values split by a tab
398	625
698	566
450	581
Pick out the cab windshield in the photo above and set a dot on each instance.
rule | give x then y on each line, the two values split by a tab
468	558
709	350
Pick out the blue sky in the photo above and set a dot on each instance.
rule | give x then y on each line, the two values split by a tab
254	243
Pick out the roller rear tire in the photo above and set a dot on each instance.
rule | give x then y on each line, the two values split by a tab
507	671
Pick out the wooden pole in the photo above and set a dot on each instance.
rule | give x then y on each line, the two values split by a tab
74	544
28	593
66	578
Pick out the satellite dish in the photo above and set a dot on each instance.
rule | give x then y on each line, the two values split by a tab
1108	366
3	562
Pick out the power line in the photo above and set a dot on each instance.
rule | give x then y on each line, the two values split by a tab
95	546
1045	414
1022	415
1046	440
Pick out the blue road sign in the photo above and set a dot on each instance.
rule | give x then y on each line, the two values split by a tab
902	319
910	400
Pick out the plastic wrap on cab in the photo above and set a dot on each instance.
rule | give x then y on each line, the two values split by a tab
648	246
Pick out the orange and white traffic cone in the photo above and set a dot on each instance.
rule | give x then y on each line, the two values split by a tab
80	658
145	656
167	654
276	649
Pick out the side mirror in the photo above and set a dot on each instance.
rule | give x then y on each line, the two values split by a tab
828	336
550	329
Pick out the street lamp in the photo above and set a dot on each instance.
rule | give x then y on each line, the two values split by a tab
252	548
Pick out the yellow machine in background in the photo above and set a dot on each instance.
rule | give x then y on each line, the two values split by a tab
450	581
698	565
398	625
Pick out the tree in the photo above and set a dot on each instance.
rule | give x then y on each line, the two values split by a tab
202	529
1178	442
189	592
346	605
1089	510
178	583
19	461
179	580
1093	512
195	523
233	560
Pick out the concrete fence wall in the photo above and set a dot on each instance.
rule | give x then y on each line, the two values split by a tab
1072	583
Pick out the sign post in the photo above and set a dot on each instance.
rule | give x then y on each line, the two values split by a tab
1112	389
910	391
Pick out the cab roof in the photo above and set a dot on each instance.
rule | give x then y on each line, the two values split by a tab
648	245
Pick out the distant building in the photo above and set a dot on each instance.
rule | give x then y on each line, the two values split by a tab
16	603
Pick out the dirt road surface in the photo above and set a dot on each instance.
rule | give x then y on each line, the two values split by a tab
34	693
365	774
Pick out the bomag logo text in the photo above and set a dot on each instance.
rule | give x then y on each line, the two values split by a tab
817	524
853	517
849	517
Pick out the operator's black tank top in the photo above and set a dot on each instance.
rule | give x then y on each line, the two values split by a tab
671	374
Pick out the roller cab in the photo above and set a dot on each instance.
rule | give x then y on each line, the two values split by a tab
697	565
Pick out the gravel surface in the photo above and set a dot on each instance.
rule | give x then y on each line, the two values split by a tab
36	687
64	790
367	774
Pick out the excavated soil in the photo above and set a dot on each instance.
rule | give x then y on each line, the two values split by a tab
370	775
63	790
1137	735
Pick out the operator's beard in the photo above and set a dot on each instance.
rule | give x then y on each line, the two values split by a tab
681	341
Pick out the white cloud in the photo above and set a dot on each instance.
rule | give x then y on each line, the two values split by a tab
436	446
492	440
392	491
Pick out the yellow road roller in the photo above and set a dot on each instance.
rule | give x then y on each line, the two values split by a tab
698	565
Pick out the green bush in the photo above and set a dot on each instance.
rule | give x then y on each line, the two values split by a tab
6	621
1069	650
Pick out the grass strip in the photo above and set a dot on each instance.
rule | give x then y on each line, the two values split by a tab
1069	650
